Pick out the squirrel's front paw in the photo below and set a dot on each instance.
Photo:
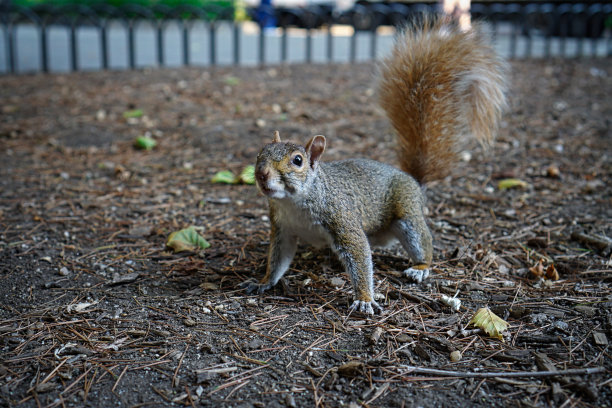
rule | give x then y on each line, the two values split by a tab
416	275
250	287
365	307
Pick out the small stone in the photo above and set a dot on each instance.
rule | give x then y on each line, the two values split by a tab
560	324
255	344
64	271
336	282
100	115
403	338
189	322
290	401
539	318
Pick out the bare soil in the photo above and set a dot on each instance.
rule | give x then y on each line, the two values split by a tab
96	311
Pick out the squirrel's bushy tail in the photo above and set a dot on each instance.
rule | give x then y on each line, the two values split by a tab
440	86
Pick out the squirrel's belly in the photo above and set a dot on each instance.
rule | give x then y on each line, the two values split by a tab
316	236
382	239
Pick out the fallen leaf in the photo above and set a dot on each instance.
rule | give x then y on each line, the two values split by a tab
600	338
231	80
247	176
79	307
551	272
351	369
538	270
145	143
488	321
187	239
224	176
511	183
134	113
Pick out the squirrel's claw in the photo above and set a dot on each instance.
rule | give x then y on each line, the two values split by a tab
366	307
416	275
250	287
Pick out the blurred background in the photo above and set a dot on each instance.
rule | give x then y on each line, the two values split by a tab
73	35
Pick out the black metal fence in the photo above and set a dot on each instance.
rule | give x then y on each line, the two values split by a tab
73	38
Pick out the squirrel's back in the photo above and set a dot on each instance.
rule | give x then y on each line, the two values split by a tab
440	86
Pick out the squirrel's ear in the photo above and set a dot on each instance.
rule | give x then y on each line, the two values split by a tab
276	137
315	148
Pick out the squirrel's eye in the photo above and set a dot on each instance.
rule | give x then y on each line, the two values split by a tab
297	160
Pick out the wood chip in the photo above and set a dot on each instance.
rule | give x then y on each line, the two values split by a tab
600	338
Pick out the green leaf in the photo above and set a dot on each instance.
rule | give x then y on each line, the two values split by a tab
247	176
187	239
511	183
134	113
231	80
145	143
488	321
224	176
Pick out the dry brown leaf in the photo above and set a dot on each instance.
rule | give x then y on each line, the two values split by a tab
538	270
551	272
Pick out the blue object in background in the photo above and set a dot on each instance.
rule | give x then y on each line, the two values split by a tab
265	14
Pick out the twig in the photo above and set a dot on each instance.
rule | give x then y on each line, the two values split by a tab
49	376
65	390
599	242
174	382
383	388
231	383
119	378
507	374
236	388
189	397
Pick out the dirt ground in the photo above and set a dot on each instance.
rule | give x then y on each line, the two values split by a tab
96	311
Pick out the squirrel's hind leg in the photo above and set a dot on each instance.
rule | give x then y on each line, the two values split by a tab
415	237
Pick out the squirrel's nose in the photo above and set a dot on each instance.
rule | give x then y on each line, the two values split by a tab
262	175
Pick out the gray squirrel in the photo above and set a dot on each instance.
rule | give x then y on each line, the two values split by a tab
440	86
